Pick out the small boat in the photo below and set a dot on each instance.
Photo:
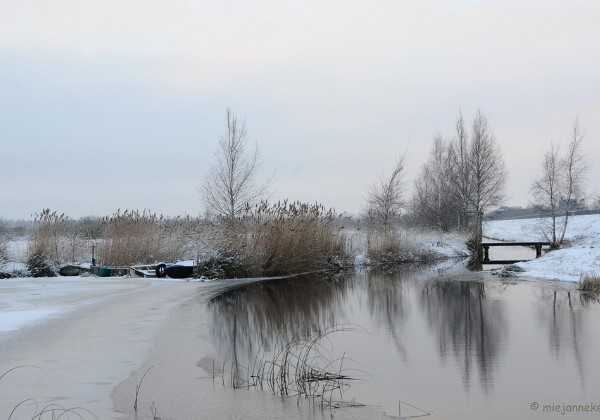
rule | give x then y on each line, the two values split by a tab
179	270
143	270
70	270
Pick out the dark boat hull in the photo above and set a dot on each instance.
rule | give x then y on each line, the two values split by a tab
70	270
176	271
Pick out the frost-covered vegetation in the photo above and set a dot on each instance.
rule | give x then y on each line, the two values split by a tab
268	240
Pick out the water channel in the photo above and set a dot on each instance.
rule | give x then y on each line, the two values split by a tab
446	343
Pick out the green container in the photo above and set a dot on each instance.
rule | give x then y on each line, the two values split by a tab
106	271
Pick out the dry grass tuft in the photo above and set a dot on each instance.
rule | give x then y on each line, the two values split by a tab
590	282
302	367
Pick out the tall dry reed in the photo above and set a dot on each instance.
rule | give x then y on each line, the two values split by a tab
48	243
133	237
287	238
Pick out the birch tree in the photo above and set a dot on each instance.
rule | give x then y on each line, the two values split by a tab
561	185
575	171
546	191
232	183
434	200
486	167
460	176
465	176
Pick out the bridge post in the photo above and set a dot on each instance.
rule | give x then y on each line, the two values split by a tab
486	253
538	250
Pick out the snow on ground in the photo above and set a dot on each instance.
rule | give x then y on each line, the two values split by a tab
445	245
580	254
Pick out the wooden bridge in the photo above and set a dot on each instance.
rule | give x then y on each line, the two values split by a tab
485	246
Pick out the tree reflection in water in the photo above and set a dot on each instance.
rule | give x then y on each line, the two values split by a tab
252	320
561	313
389	302
467	325
249	321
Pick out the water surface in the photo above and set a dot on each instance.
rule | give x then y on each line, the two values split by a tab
451	343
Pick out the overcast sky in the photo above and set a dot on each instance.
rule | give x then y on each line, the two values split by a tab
108	104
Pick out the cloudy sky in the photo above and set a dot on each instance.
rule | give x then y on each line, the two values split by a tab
108	104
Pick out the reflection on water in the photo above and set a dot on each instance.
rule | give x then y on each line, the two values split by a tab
455	343
561	315
466	324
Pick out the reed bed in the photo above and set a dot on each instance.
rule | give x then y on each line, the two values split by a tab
281	239
133	237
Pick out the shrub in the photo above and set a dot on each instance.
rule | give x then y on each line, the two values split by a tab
40	266
221	266
392	247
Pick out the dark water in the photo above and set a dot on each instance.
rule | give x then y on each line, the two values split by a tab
452	343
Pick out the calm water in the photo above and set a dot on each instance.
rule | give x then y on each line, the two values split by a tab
453	343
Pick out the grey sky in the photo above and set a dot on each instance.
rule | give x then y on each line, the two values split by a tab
112	104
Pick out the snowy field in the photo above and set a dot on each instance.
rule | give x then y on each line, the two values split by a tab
580	254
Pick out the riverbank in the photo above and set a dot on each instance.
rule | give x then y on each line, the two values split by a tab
580	253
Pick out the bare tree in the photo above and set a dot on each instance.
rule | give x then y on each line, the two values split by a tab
385	198
561	185
546	190
232	182
575	171
465	176
460	165
486	166
433	203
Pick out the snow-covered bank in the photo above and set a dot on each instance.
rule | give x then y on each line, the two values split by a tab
580	254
